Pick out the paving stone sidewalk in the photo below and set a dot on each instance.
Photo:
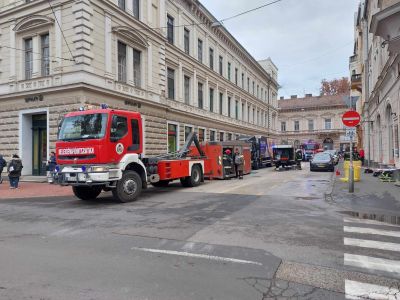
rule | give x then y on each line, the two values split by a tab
33	190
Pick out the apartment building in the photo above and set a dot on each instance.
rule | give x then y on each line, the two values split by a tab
313	119
170	60
375	78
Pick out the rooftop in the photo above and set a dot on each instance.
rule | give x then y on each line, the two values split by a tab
313	102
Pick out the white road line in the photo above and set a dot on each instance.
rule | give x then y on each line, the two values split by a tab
372	244
371	231
373	263
195	255
359	290
368	222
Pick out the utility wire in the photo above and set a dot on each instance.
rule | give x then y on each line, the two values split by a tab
68	59
62	32
250	10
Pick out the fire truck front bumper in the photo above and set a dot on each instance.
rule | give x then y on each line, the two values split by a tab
96	175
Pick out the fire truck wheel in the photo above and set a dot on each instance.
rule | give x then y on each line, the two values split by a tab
194	179
161	183
128	187
86	192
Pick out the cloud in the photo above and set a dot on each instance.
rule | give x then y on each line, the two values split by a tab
307	39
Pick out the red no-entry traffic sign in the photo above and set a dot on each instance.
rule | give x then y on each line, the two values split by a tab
351	118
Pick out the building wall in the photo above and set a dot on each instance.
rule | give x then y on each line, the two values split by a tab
84	70
380	94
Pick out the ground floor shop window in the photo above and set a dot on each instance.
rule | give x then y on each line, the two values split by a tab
172	138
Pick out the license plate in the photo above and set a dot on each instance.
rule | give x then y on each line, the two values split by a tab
321	166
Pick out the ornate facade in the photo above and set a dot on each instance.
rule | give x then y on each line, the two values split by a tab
170	60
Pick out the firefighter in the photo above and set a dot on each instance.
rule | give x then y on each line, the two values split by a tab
239	162
227	162
299	158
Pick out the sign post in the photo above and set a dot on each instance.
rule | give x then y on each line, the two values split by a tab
351	119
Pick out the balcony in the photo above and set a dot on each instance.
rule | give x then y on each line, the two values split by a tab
353	58
356	82
386	24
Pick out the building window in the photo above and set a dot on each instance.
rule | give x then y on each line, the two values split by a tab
236	76
172	138
44	39
248	84
137	73
200	95
242	80
262	93
254	116
258	91
221	65
229	136
136	8
187	89
296	125
283	126
186	40
254	88
170	29
212	135
200	50
229	71
229	106
211	58
242	111
237	110
28	58
328	123
121	4
202	133
248	114
221	136
188	130
310	125
171	83
221	103
211	100
121	62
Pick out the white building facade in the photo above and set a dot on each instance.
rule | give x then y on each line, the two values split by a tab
169	60
375	70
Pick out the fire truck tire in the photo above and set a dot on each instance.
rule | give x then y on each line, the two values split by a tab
128	187
161	183
194	179
86	192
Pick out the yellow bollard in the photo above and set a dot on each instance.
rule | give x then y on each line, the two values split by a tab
346	167
357	171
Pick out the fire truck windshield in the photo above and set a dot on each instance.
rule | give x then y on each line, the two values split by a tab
83	127
309	146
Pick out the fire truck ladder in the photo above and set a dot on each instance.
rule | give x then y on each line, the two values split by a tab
184	151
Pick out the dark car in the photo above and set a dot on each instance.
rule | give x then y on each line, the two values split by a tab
322	161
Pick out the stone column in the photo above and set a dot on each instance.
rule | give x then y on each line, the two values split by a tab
12	54
206	95
225	105
108	45
180	30
58	42
194	89
180	89
163	18
149	66
36	56
129	65
129	6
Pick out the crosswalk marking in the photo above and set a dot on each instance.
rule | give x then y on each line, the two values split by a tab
358	290
372	244
368	262
371	231
368	222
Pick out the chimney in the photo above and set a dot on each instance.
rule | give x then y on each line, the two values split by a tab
281	98
293	97
308	95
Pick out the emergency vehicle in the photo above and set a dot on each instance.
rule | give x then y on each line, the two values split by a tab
101	149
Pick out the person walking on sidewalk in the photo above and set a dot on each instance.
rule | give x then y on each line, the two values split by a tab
3	164
239	162
14	170
362	155
51	164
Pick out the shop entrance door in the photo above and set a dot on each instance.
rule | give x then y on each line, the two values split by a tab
39	144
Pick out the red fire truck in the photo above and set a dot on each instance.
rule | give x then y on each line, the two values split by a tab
102	149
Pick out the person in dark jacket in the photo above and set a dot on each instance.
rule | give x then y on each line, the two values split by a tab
14	170
52	162
3	164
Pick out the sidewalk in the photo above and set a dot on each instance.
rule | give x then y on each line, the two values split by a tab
370	194
33	190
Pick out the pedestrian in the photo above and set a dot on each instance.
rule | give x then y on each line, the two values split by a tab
51	163
14	170
362	155
3	164
239	163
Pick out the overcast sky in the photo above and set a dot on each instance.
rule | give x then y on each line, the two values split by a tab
308	40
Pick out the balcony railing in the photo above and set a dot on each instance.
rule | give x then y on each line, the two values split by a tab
353	58
356	82
356	78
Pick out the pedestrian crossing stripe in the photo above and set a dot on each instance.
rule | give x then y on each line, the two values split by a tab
358	290
369	262
373	231
369	222
372	244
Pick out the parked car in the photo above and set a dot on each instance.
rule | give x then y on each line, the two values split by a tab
322	161
335	155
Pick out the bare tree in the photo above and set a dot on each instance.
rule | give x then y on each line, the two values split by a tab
335	86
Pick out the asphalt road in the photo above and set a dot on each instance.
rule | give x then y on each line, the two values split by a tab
273	235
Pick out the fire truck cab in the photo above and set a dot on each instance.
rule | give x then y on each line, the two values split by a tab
101	149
